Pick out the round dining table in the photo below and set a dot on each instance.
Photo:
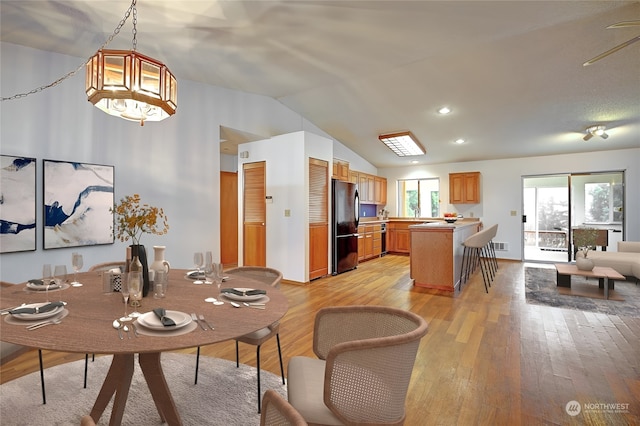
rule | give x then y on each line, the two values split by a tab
87	327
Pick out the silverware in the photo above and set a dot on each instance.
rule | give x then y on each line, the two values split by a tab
117	326
205	321
195	318
254	306
135	329
44	323
126	330
234	304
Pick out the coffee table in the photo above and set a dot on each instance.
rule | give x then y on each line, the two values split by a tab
564	271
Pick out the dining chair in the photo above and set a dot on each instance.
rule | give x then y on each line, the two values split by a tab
107	266
87	421
276	411
365	357
273	278
10	351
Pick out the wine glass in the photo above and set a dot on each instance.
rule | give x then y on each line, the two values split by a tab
77	262
135	291
218	275
198	260
47	277
124	290
208	268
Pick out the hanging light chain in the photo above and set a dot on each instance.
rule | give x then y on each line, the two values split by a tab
115	32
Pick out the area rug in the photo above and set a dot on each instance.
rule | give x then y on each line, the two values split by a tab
584	295
225	395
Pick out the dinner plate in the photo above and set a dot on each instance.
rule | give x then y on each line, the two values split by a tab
151	320
250	298
41	315
193	275
42	287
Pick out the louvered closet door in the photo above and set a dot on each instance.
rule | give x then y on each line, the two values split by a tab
318	218
254	223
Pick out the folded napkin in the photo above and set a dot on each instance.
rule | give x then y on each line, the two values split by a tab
243	293
165	320
39	310
36	282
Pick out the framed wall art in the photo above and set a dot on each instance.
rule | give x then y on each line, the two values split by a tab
17	204
77	203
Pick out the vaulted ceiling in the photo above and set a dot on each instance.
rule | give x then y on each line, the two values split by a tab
511	71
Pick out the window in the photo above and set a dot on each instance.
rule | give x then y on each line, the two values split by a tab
419	198
603	202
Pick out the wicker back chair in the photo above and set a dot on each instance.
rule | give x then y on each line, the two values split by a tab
106	266
271	277
276	411
366	357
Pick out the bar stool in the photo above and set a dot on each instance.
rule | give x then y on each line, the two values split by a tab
477	251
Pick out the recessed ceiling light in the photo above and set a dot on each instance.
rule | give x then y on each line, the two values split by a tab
460	141
415	162
444	110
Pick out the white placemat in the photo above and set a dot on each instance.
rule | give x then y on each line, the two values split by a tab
10	319
168	333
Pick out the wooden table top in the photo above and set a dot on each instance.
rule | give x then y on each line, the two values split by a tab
597	272
88	326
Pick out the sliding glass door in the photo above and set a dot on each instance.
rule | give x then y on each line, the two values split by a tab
553	205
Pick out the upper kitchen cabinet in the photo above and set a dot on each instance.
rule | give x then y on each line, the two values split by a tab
464	188
341	170
380	190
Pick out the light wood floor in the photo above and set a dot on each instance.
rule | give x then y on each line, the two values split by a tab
487	359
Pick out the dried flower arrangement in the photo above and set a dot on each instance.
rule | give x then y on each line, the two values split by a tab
133	219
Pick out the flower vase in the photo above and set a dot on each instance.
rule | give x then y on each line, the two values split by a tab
138	250
159	262
584	264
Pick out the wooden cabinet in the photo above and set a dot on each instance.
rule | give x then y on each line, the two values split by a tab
377	240
380	191
398	237
363	188
341	170
464	188
369	241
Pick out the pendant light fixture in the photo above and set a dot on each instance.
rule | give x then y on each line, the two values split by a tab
129	85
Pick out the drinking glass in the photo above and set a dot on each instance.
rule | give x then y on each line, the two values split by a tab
77	262
208	268
60	274
198	260
47	277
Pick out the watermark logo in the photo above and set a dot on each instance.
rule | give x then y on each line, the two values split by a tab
573	408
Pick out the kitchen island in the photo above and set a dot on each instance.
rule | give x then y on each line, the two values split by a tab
436	252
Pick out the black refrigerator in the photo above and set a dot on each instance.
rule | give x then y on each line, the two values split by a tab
344	226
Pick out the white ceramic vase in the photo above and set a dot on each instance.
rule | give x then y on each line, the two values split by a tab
584	264
159	262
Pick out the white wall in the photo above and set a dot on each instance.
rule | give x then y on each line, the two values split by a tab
173	164
501	188
287	181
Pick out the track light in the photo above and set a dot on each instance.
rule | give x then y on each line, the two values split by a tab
595	131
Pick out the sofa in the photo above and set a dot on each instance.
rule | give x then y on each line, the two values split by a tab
626	261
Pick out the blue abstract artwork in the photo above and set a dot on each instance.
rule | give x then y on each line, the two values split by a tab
17	204
78	198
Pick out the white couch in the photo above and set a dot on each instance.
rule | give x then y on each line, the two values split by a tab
625	261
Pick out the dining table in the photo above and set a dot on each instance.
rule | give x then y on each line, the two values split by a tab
87	326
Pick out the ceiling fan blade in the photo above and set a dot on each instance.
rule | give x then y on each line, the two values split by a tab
610	51
604	136
624	24
587	136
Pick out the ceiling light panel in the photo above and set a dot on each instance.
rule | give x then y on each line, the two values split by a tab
403	144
